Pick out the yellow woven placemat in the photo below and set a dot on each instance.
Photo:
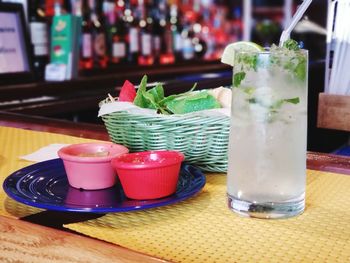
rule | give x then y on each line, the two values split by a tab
203	229
18	142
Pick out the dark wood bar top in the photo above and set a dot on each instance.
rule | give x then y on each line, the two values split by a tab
37	123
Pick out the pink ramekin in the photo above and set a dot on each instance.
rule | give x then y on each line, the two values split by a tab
93	172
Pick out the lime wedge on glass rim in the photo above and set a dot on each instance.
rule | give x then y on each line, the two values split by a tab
228	56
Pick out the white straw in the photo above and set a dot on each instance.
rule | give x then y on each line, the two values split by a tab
343	64
298	14
339	78
329	41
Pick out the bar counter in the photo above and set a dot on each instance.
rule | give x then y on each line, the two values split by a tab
49	236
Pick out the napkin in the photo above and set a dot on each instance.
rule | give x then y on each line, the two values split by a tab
45	153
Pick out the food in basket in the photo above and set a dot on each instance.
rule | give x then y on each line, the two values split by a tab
202	135
195	101
186	102
174	104
128	92
223	96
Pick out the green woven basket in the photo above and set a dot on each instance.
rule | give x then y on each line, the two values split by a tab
202	139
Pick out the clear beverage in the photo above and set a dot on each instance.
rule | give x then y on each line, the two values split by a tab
267	145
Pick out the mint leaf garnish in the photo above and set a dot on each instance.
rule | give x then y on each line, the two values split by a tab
248	91
237	78
291	58
273	108
249	60
291	44
295	100
300	69
252	100
276	104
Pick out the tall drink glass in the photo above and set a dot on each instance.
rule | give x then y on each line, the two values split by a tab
267	145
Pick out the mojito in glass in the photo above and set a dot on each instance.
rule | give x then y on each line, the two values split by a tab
267	145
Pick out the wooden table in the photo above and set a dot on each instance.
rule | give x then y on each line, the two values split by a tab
333	112
39	237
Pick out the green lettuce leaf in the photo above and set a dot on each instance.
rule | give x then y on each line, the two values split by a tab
192	102
174	104
140	100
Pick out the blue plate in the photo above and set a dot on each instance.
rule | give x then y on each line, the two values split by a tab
45	185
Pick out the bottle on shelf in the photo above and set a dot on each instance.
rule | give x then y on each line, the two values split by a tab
57	8
219	31
109	15
86	51
176	28
198	42
39	36
237	25
61	7
98	36
50	7
76	7
119	45
207	33
132	17
145	56
166	42
146	32
157	31
187	44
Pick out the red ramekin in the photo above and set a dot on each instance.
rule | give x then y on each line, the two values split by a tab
150	174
